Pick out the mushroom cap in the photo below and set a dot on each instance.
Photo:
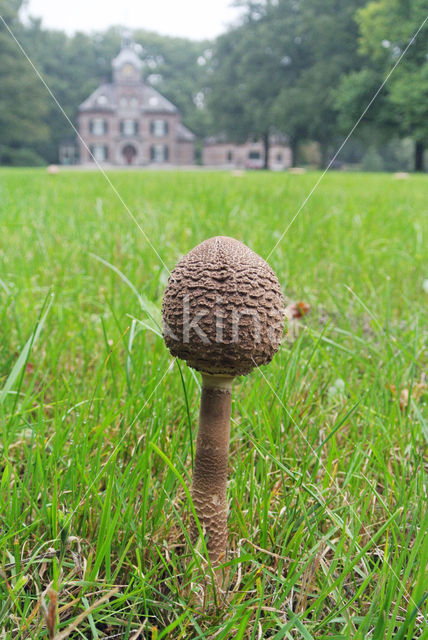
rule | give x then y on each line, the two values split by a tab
223	310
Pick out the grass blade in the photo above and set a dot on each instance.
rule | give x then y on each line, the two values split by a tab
23	356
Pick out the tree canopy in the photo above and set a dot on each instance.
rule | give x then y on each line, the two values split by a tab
387	28
23	104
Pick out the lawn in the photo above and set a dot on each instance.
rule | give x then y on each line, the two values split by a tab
327	486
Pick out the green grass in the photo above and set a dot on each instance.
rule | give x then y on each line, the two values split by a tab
327	489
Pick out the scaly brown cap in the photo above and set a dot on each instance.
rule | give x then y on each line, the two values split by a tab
223	310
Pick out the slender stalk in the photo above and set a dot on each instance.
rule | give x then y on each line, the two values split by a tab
210	469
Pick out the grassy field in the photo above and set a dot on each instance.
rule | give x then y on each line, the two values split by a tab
327	488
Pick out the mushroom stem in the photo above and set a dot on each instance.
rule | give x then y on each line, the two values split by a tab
210	468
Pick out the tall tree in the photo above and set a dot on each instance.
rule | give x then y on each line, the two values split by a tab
321	40
245	75
386	27
23	102
72	66
278	71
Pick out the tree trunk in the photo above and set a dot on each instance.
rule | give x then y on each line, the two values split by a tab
266	150
419	156
293	148
324	154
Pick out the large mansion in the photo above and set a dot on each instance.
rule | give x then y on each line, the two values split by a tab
127	122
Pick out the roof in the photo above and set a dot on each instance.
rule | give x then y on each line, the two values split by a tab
102	99
155	102
183	133
105	99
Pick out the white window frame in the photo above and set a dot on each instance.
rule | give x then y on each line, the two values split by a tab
99	153
98	126
159	153
129	127
159	128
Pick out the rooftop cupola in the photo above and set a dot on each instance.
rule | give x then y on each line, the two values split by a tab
127	65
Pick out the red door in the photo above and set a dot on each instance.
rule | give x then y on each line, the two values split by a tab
129	152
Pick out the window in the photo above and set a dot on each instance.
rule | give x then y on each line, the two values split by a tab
279	157
129	127
254	155
159	128
98	126
230	156
102	100
159	153
128	101
67	153
99	152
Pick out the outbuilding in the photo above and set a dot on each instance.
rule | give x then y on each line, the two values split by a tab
220	152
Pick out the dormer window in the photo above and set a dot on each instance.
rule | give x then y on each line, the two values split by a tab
128	101
129	127
98	126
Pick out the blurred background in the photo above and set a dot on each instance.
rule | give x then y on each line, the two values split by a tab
300	72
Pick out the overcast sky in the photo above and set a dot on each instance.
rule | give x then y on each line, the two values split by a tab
196	19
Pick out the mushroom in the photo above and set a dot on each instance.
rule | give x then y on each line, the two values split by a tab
223	313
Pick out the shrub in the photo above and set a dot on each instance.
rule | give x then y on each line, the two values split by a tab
23	157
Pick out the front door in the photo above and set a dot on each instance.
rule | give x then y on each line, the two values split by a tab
129	152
